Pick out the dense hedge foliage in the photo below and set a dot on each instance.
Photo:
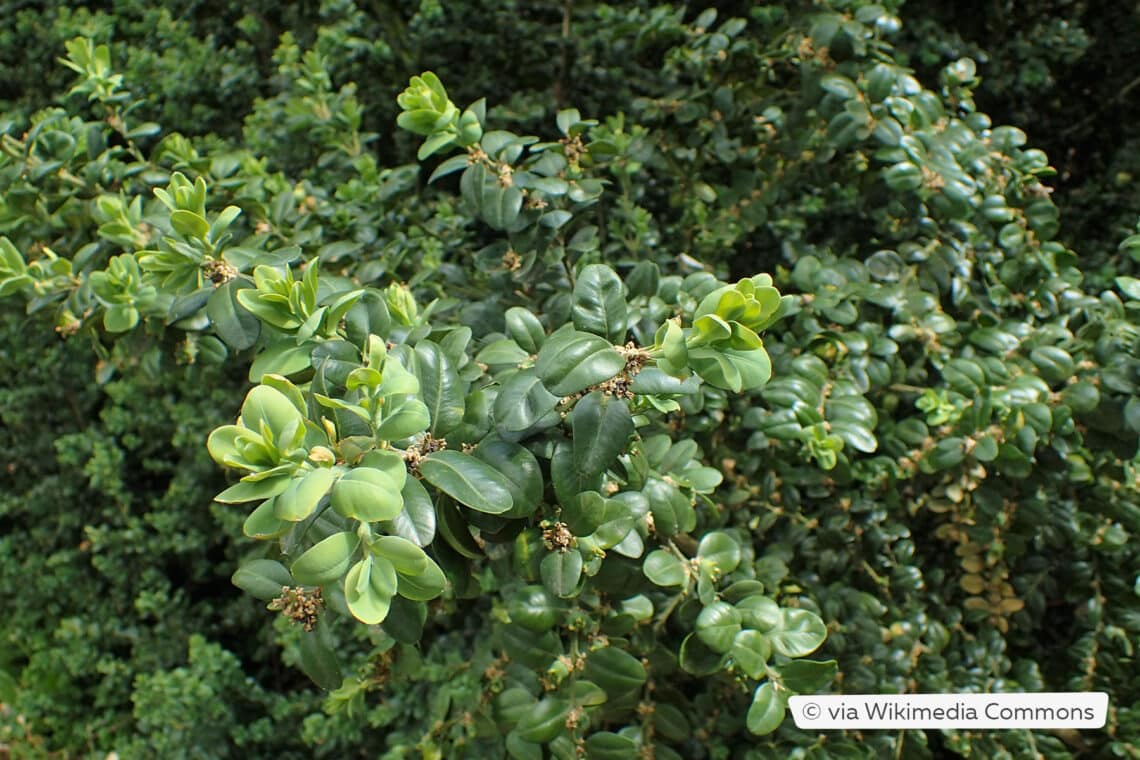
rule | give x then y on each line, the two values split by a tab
768	365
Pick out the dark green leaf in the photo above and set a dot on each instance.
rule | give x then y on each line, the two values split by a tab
717	625
561	571
440	388
233	324
468	480
808	676
571	361
602	426
521	473
544	721
522	403
598	303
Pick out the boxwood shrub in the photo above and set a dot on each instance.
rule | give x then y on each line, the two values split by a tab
586	407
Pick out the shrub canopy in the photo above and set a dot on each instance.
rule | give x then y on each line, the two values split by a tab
586	389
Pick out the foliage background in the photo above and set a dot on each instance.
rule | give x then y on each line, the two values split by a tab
122	630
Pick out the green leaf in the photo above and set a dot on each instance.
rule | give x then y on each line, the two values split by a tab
468	480
263	524
839	85
497	205
807	676
454	530
405	621
903	176
585	513
407	419
522	403
754	367
799	634
759	612
615	670
245	490
571	361
535	608
855	436
568	483
673	512
427	585
946	453
1055	364
521	473
767	710
326	561
450	166
720	550
120	318
368	316
698	658
9	687
751	650
433	144
189	224
368	589
502	352
262	578
544	721
268	406
367	494
598	303
440	388
416	521
717	625
670	722
282	358
606	745
1129	286
715	368
520	749
561	571
318	659
406	557
665	569
602	426
302	495
233	324
525	329
652	380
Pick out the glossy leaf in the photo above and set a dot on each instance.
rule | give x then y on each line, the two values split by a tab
598	303
665	569
602	426
767	710
561	571
468	480
615	670
234	325
799	634
571	361
544	721
440	388
522	403
717	626
416	521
